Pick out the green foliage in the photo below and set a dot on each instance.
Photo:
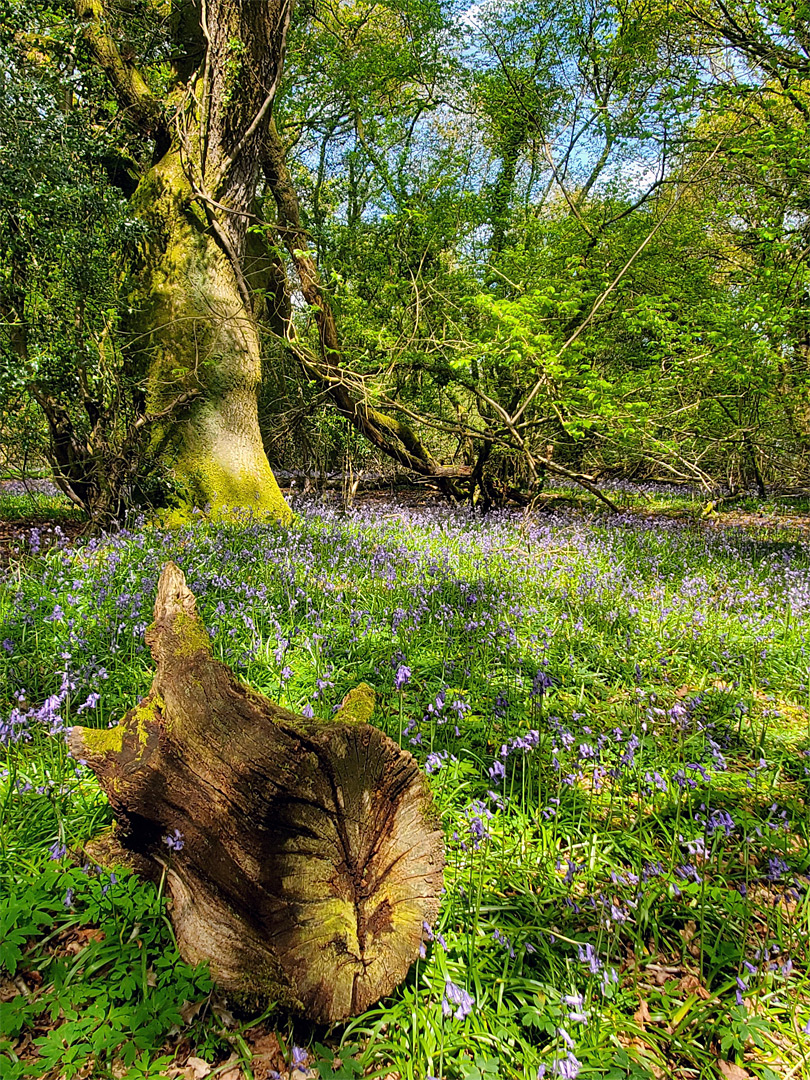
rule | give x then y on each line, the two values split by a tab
584	234
233	69
544	231
117	995
67	239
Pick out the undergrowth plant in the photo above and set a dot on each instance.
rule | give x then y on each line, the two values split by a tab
613	716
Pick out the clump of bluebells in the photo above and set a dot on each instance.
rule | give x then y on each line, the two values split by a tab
610	715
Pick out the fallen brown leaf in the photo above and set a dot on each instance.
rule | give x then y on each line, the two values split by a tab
222	1012
267	1054
266	1046
196	1069
732	1072
91	934
230	1069
691	938
642	1050
642	1015
190	1009
662	973
691	984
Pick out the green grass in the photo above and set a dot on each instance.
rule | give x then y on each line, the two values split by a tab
645	847
37	506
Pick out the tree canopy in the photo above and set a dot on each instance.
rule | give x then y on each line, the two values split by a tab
499	243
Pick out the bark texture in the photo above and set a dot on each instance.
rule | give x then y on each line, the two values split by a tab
194	329
311	858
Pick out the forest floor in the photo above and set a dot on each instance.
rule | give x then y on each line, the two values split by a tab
613	715
38	507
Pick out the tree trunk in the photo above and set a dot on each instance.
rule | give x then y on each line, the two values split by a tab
195	328
194	325
305	858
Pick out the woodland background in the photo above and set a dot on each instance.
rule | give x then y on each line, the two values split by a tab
545	237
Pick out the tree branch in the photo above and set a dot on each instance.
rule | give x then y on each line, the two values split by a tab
393	438
133	94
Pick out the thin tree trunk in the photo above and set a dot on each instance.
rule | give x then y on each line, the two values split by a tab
393	438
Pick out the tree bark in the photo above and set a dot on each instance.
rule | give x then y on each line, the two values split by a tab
194	326
311	858
194	329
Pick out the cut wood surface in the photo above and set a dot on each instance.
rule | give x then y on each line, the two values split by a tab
311	859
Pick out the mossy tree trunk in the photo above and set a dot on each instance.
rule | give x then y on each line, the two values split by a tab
193	330
310	858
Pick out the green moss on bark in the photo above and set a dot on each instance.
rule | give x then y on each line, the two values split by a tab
195	335
358	705
103	740
146	712
190	635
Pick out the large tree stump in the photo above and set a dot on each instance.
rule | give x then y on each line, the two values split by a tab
311	858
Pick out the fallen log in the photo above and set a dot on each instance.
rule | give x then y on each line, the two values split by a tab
303	857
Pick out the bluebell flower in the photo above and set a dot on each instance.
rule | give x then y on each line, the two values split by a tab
776	868
566	1068
456	995
174	841
299	1057
437	760
720	820
687	872
566	1038
502	939
497	771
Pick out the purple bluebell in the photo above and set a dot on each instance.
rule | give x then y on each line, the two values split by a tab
456	996
589	957
174	841
566	1068
299	1057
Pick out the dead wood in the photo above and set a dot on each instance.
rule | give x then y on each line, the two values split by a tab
311	858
